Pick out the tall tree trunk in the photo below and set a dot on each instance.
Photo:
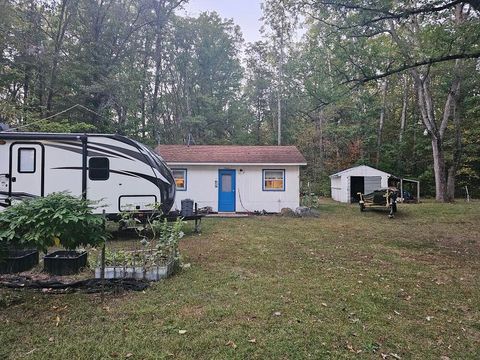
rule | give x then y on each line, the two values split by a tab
144	87
381	121
439	170
403	116
280	90
319	136
160	22
62	26
457	152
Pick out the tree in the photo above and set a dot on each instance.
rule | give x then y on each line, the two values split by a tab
412	37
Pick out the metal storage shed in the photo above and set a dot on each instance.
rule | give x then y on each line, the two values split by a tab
347	183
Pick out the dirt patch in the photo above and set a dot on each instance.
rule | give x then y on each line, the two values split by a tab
192	311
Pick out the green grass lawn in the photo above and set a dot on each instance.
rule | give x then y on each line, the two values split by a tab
345	285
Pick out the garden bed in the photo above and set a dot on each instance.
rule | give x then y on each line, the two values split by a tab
150	273
65	262
18	261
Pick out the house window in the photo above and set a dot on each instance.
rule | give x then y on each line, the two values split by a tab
98	168
180	176
273	180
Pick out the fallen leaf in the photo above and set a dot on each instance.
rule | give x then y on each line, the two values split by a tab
57	321
51	339
324	304
231	343
129	355
277	313
253	341
396	312
384	356
428	318
30	352
395	356
181	332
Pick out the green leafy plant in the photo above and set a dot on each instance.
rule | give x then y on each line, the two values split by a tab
56	219
158	237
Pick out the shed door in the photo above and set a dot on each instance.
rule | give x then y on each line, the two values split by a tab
372	183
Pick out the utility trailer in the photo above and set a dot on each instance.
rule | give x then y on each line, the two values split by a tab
118	172
380	199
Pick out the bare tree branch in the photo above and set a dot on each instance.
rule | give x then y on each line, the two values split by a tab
429	61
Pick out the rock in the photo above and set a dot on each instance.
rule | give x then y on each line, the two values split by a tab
287	212
304	211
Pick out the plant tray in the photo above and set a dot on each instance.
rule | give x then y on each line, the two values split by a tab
153	273
64	262
18	260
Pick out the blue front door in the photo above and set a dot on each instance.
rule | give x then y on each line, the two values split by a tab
226	190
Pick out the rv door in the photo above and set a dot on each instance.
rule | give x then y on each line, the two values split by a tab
26	170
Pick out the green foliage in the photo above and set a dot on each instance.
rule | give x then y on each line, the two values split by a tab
43	221
158	237
146	71
63	126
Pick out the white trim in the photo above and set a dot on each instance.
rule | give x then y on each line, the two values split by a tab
171	163
340	173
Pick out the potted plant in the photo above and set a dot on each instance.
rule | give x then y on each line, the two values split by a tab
53	220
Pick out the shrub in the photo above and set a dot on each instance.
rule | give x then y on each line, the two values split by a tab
55	219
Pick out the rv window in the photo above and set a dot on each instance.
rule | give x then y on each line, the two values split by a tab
274	180
98	168
26	160
180	176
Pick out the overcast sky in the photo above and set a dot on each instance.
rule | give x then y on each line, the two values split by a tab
246	13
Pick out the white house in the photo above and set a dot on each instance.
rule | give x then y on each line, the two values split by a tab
231	178
347	183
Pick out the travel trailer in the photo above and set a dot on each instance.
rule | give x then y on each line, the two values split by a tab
120	173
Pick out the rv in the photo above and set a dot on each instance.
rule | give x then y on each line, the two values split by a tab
119	173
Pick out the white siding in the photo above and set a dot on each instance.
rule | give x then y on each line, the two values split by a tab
340	182
336	188
202	187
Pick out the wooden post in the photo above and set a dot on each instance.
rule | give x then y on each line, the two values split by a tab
401	190
102	264
418	192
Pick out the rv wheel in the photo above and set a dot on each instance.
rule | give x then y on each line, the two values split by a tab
362	207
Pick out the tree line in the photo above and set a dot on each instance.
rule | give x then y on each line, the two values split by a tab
394	85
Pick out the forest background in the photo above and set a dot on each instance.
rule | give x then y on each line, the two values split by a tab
391	84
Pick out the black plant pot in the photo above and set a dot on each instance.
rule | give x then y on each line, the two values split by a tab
64	262
15	261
